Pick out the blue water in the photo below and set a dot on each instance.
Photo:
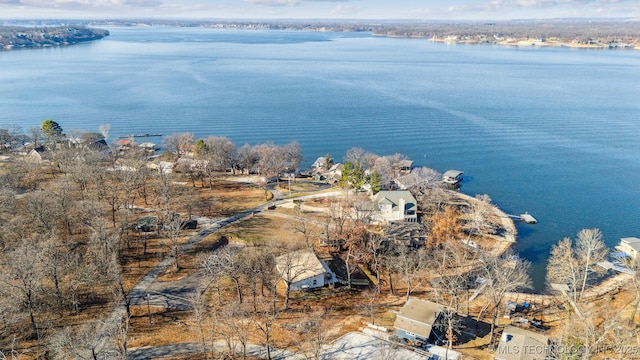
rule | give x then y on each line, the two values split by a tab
554	132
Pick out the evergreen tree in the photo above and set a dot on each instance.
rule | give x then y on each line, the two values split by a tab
51	129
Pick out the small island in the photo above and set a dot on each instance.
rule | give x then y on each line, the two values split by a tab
17	37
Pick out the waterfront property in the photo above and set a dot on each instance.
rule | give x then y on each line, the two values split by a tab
452	177
629	246
521	344
416	320
396	206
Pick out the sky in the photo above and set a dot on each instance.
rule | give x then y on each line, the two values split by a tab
319	9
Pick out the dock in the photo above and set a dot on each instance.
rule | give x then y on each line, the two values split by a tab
526	217
138	135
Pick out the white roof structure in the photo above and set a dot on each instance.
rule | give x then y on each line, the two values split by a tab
300	265
521	344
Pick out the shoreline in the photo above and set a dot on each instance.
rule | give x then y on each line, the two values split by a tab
533	43
502	242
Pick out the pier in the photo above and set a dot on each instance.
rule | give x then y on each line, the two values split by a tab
526	217
138	136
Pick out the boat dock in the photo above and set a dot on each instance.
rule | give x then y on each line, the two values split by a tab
138	136
526	217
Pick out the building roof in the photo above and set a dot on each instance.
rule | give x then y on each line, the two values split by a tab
418	316
632	242
521	344
393	197
320	162
300	265
452	173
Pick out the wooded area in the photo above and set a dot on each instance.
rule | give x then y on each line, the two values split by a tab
81	226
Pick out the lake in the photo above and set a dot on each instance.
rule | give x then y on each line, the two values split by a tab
551	131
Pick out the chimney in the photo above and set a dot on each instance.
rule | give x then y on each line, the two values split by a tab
401	209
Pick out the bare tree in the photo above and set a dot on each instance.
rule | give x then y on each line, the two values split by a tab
55	255
74	343
503	274
292	155
450	287
302	224
198	314
178	143
370	304
410	264
292	267
174	230
264	321
24	276
445	228
315	332
246	158
120	337
574	264
238	323
226	262
354	155
36	135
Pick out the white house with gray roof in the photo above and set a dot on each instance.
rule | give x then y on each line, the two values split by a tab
396	206
304	270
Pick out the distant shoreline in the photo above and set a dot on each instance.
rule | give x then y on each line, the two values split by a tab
571	33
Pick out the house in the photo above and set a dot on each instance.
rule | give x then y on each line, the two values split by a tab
303	270
402	167
396	206
520	344
335	173
148	147
417	319
320	164
630	246
35	155
452	177
123	145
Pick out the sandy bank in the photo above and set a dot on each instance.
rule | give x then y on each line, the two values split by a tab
504	241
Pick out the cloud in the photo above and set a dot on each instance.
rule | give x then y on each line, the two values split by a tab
346	10
83	4
286	2
273	2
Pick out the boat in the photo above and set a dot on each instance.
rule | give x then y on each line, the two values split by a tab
452	177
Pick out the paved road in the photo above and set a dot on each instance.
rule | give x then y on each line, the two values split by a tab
368	345
104	348
137	295
220	347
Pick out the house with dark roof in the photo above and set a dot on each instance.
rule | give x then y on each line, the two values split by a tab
417	320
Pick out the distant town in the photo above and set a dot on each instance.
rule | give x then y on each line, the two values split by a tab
584	33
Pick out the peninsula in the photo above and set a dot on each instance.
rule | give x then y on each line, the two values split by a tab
17	37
